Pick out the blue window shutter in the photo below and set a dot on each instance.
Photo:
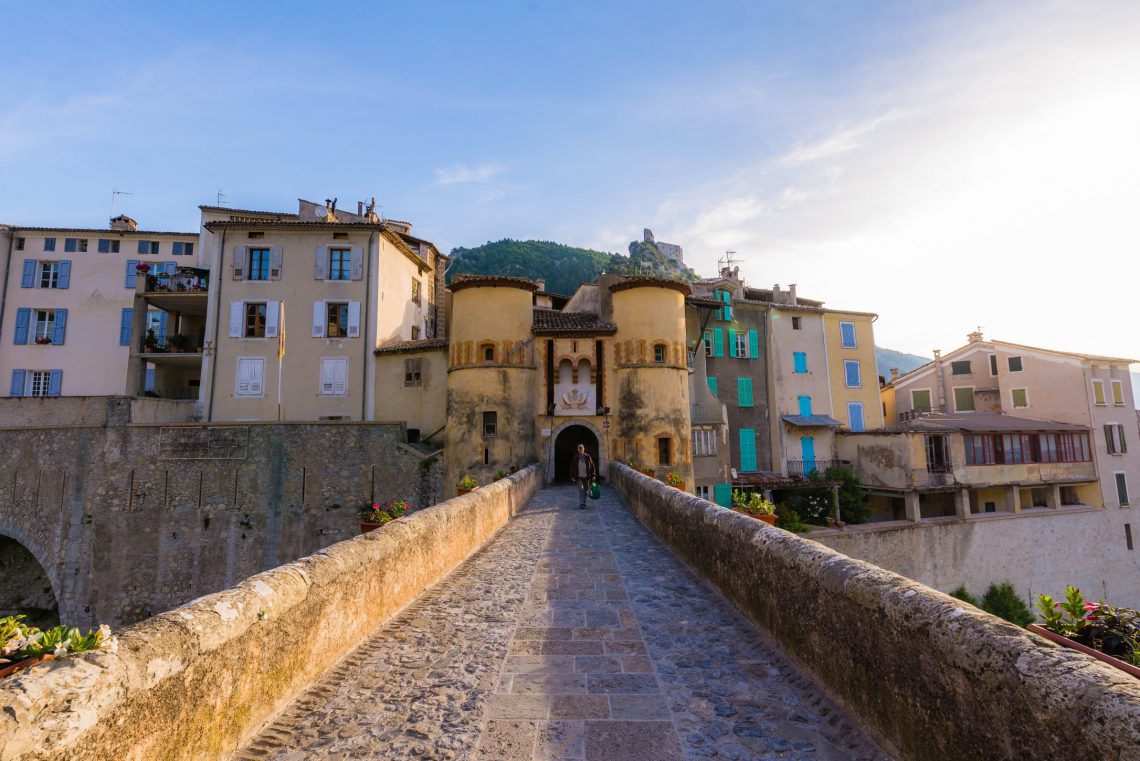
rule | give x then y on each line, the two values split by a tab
171	267
799	360
855	414
753	344
149	380
144	247
64	274
851	372
744	392
104	246
176	248
722	494
131	273
805	405
731	342
69	245
18	377
712	384
55	381
718	342
60	327
747	449
125	326
49	244
29	278
847	334
23	322
161	333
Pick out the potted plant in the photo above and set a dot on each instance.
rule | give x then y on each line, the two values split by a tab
178	342
675	481
376	516
24	646
1107	633
41	340
754	506
142	268
466	485
644	469
150	341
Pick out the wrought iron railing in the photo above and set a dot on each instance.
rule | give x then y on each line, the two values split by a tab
804	468
707	413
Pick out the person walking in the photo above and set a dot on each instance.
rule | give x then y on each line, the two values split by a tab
583	472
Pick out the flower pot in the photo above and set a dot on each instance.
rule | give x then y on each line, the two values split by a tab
680	486
27	663
464	490
769	519
366	526
1066	642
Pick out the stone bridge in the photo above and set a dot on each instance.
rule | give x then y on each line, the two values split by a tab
651	626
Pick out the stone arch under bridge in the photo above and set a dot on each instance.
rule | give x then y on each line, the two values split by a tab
26	586
601	457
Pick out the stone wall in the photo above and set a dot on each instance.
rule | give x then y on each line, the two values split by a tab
132	520
1040	553
197	681
935	678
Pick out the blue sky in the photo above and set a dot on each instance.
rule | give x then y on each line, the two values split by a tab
945	165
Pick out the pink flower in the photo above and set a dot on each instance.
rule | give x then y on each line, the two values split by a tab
1090	605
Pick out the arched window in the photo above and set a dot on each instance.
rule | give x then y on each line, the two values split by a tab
566	371
487	352
583	372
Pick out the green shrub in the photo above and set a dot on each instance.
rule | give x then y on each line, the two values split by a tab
789	520
963	594
1002	601
852	499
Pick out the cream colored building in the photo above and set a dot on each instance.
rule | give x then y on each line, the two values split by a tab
68	301
998	376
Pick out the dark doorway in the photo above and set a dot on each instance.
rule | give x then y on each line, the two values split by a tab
24	586
567	444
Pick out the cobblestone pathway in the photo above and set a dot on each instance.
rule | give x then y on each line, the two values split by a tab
572	635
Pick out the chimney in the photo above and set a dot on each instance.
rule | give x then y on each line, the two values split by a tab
975	337
360	209
894	373
792	294
776	293
125	223
542	285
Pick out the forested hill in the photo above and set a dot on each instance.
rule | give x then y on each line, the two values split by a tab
563	268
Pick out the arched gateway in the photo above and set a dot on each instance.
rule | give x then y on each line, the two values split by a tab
25	588
564	443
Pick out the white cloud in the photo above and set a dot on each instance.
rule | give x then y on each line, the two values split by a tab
461	174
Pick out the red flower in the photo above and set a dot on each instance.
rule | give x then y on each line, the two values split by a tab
1090	605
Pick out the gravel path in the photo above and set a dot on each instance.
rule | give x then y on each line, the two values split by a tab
572	635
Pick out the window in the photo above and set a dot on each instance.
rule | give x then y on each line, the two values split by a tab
19	244
799	362
487	352
962	367
920	400
490	423
1098	392
413	371
340	264
1014	364
847	334
416	290
748	450
340	236
1114	438
938	454
659	352
415	332
964	399
855	416
336	323
75	245
703	492
851	373
182	248
664	450
712	384
708	344
1122	489
704	442
148	247
44	326
689	357
796	323
744	392
49	274
1020	397
108	245
39	383
980	450
334	376
993	364
1118	393
1016	448
742	345
250	376
256	235
255	320
49	244
804	405
258	264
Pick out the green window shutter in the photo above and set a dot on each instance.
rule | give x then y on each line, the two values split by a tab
747	449
731	342
753	344
963	399
920	399
722	494
712	384
718	342
744	392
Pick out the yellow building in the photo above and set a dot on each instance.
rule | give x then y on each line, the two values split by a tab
850	347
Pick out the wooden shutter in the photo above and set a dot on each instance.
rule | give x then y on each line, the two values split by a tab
160	334
104	246
125	320
851	373
275	262
64	278
747	449
753	344
132	274
29	278
1123	443
144	247
237	319
855	415
357	263
321	270
354	319
319	318
718	342
60	333
272	314
805	405
722	494
327	376
23	324
744	392
19	378
712	384
55	382
240	262
731	342
257	376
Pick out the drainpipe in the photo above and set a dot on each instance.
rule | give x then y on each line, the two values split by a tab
941	381
216	282
7	271
367	399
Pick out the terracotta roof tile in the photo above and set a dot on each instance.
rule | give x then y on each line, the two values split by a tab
408	347
553	322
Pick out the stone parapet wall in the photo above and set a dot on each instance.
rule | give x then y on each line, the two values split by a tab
197	681
935	678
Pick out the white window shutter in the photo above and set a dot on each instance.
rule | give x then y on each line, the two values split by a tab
239	262
340	376
318	319
354	319
236	319
244	376
275	262
327	376
357	263
322	263
272	312
257	376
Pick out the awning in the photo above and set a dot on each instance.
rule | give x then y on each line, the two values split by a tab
811	421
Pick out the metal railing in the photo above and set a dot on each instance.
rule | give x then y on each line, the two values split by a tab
804	468
707	413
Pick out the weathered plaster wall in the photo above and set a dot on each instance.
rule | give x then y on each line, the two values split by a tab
195	682
936	678
131	520
1039	553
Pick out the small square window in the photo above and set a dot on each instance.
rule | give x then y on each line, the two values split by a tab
797	323
490	423
109	245
19	244
413	371
256	235
1015	364
340	236
659	353
962	367
487	352
1020	397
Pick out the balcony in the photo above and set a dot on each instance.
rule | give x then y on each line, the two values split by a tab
707	414
804	468
183	291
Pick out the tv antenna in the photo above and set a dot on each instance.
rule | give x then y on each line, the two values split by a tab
221	195
726	261
115	192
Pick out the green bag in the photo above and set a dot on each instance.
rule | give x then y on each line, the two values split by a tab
595	490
